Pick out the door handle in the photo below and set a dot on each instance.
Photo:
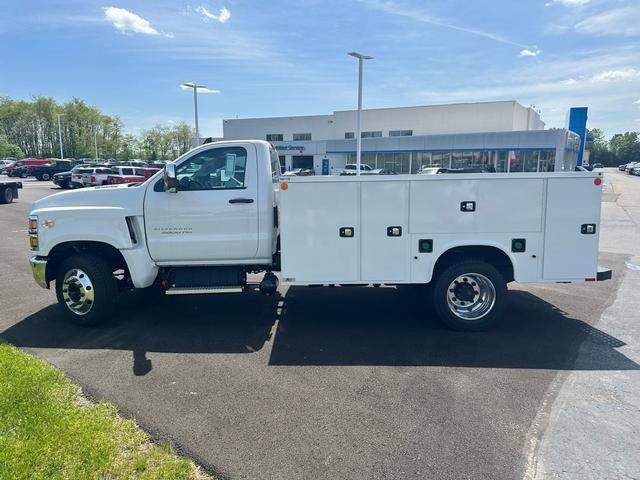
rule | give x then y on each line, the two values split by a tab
241	200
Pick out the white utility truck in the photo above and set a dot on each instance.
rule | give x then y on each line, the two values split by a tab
221	211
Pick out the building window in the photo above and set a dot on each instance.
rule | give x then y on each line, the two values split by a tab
400	133
501	161
348	135
301	137
547	161
371	134
275	137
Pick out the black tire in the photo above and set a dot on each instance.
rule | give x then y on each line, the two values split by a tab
45	177
23	175
471	279
7	195
102	283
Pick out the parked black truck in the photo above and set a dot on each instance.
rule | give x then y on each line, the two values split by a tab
9	191
47	171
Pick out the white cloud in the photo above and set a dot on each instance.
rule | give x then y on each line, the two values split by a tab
623	21
223	14
530	52
126	21
201	89
568	3
393	8
637	102
622	75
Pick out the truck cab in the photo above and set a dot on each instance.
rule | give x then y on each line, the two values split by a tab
220	209
205	227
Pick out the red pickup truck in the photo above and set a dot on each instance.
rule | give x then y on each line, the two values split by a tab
139	175
27	162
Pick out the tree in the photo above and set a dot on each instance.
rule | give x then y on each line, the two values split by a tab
8	149
184	136
166	143
626	146
33	126
599	148
130	148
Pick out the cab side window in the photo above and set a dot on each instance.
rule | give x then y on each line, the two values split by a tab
213	169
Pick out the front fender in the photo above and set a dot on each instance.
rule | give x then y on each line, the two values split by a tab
91	223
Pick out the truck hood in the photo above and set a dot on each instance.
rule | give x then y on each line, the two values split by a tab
126	197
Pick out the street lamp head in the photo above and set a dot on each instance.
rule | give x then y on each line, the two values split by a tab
360	56
191	85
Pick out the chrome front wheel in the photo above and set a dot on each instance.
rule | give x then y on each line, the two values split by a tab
78	292
471	296
86	289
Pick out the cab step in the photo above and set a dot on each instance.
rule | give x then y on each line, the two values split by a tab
203	290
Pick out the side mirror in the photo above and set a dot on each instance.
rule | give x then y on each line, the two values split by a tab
170	180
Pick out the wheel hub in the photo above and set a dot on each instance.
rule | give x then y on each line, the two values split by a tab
471	296
77	291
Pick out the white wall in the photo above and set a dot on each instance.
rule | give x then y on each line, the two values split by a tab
320	126
424	120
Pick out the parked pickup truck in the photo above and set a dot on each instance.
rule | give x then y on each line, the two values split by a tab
9	191
47	171
221	211
138	175
90	176
22	168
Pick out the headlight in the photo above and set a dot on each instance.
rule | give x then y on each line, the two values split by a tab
33	232
33	224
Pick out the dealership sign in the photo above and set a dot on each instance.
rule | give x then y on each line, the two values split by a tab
290	147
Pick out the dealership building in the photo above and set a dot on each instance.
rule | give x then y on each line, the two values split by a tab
504	136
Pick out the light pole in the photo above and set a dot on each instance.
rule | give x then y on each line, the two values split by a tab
361	58
95	142
60	134
195	88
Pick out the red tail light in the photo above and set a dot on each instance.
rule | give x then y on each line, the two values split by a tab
93	179
597	181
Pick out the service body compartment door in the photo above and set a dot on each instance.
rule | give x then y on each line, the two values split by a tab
570	248
311	217
385	252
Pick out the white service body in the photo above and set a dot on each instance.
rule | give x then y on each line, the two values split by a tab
546	209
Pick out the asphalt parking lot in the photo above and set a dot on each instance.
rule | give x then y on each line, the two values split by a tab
362	382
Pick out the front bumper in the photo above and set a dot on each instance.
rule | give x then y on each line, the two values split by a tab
39	270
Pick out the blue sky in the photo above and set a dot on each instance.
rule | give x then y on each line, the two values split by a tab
271	58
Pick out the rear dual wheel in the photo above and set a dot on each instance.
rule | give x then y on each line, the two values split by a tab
470	295
7	195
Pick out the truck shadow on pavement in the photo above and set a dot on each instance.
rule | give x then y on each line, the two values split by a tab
383	328
194	324
335	326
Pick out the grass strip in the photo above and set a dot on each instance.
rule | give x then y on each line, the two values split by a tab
46	434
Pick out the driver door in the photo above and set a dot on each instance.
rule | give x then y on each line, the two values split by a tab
213	216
